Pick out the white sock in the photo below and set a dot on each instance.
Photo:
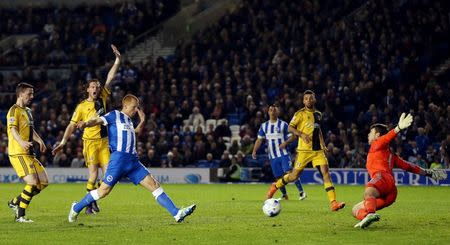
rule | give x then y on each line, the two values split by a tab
94	194
156	193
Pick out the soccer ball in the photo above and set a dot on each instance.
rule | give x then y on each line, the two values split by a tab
271	207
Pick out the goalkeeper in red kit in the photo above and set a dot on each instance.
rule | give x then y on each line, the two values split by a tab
381	191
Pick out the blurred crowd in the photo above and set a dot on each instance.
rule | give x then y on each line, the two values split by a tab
81	35
366	61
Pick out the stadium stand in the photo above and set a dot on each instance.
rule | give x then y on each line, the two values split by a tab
367	61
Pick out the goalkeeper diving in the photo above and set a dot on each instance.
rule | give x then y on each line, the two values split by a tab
380	191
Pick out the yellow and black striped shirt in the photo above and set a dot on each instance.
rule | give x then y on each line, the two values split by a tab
308	122
89	109
22	120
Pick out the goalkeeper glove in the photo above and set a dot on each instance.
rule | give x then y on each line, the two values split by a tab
404	122
436	174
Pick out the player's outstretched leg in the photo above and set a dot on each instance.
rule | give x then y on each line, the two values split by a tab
184	212
164	200
90	186
72	213
27	194
368	220
151	184
280	183
329	188
272	190
87	200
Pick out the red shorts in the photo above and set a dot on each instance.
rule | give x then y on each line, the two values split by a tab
385	184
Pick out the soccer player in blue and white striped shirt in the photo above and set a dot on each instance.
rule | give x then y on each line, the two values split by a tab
124	160
275	132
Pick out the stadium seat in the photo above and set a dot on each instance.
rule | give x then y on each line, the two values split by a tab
220	121
185	122
234	128
211	122
203	128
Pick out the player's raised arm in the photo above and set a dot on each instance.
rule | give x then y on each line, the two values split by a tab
113	71
91	123
404	122
39	140
140	126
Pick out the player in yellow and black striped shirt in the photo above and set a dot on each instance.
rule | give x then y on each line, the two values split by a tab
95	139
21	135
311	148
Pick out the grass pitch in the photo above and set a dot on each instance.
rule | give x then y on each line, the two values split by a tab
226	214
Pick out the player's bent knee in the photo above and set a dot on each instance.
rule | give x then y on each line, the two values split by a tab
42	186
33	183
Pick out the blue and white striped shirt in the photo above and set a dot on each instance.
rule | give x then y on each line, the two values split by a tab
275	134
120	132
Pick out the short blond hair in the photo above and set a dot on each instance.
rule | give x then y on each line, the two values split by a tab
128	98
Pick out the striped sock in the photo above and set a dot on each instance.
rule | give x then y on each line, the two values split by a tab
165	201
25	198
331	193
88	199
282	181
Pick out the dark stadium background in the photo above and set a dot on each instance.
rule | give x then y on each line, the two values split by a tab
367	62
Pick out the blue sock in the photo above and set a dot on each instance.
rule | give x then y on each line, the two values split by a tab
165	201
299	185
88	199
283	190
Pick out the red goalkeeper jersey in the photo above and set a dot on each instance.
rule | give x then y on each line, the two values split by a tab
380	157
